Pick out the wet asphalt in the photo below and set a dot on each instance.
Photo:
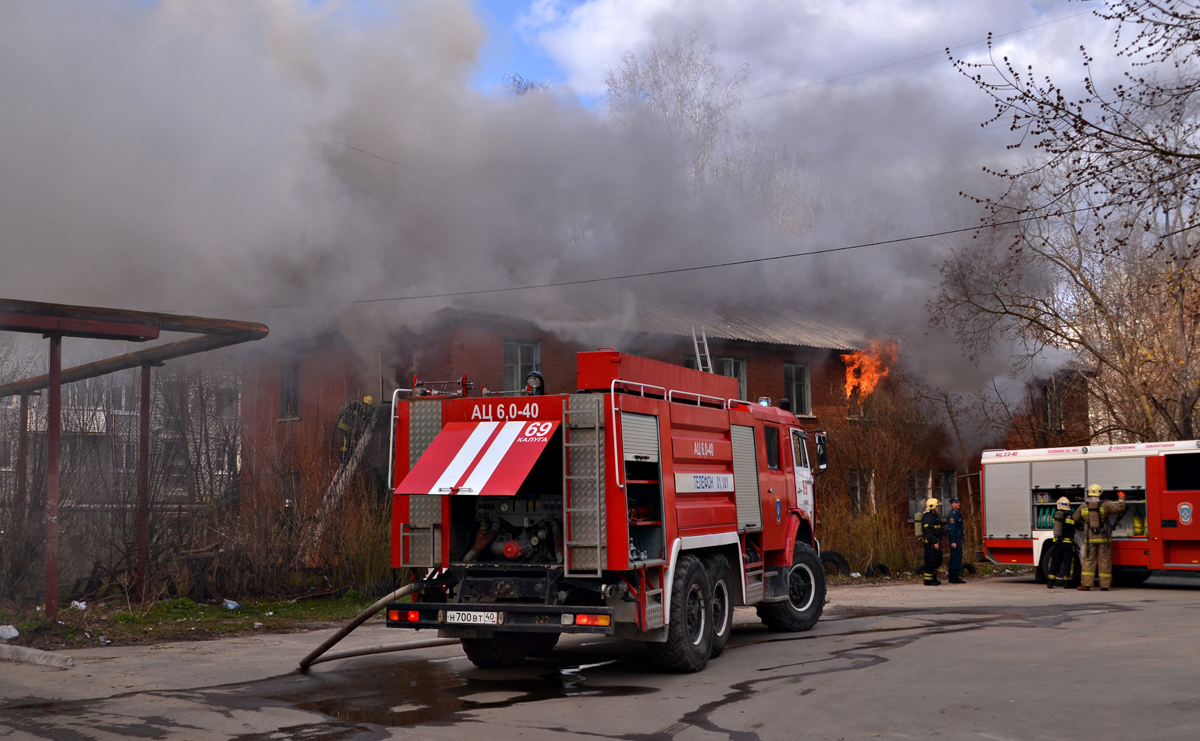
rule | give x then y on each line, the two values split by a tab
993	659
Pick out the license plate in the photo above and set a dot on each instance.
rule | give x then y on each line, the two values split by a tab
471	618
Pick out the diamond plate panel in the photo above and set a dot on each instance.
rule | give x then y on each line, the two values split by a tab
654	611
424	424
424	546
586	414
424	510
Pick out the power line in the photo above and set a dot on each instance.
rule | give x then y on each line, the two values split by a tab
913	59
655	273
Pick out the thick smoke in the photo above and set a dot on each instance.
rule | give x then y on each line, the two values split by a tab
186	157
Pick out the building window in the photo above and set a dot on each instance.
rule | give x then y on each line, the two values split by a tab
6	455
289	391
733	368
728	367
520	359
861	489
124	398
125	455
925	484
796	388
225	403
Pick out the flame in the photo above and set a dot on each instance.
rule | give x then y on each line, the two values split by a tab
866	368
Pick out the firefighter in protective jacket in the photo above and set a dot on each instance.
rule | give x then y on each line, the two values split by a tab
931	538
1092	517
352	422
1062	557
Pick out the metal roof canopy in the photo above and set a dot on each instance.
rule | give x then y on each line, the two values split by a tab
55	321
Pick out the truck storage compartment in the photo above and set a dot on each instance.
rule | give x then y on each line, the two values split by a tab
1007	510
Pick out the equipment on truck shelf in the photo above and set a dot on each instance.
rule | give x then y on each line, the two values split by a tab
1022	490
644	506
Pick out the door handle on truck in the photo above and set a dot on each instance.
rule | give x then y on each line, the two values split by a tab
770	491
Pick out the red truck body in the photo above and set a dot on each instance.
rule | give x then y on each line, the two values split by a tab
1158	531
535	515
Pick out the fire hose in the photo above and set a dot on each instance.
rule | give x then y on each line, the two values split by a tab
316	656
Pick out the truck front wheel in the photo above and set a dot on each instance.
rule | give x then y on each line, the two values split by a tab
689	634
503	651
806	595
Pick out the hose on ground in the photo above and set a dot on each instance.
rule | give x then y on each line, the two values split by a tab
386	648
357	621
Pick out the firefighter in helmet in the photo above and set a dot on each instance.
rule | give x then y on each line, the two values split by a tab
352	422
955	532
1092	517
1063	554
931	538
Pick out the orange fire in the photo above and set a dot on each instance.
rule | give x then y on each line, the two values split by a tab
866	368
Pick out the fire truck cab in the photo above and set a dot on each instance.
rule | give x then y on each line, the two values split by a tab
1161	482
645	506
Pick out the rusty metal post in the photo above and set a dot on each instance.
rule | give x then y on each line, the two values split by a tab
143	486
53	443
22	458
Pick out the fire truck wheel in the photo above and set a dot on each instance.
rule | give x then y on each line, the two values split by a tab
806	595
689	634
499	652
720	578
541	645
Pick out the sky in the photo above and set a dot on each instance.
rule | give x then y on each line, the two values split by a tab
276	160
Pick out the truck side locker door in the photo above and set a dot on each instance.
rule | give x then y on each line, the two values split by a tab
773	485
803	472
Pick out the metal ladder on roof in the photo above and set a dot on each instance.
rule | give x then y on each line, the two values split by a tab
583	485
703	359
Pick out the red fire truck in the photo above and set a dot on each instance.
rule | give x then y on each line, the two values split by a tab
644	506
1161	482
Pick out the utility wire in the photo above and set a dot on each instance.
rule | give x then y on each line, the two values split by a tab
664	271
913	59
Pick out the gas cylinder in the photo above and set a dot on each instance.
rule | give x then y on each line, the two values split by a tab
1139	525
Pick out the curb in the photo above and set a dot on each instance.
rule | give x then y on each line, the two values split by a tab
35	656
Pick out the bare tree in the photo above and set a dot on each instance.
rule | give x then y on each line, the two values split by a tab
682	88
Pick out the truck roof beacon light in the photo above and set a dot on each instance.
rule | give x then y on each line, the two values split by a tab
764	400
535	383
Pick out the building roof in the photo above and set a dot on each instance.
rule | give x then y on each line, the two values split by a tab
773	325
767	325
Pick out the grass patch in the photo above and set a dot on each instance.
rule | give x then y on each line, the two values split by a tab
172	620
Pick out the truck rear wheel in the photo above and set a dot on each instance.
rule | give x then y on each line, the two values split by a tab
689	634
720	578
502	651
806	595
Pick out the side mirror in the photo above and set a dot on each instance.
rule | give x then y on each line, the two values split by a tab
822	439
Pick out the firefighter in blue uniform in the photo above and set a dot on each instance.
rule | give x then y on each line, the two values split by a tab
931	538
955	531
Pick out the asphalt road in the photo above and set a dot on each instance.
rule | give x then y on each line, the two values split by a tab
993	659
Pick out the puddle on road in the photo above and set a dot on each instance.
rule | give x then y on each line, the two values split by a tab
420	691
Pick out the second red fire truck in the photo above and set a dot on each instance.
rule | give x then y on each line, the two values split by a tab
645	505
1158	530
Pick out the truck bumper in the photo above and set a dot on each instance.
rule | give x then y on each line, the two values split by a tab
489	618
